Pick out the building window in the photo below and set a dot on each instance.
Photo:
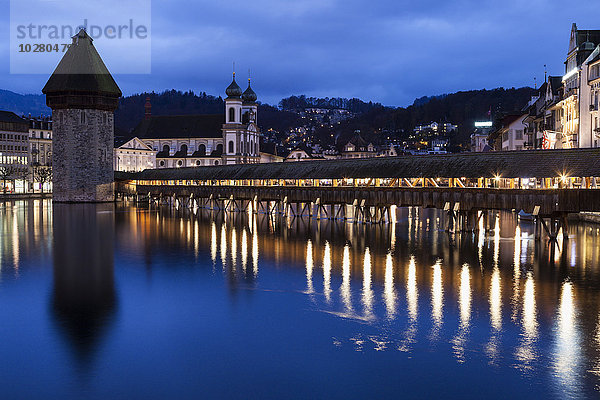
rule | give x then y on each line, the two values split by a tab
519	134
184	149
83	116
166	149
202	150
197	162
219	149
179	163
231	147
216	162
232	114
161	163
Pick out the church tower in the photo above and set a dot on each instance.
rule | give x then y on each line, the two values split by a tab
83	97
233	128
240	132
249	117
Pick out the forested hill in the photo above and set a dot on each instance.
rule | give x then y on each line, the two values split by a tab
461	108
173	102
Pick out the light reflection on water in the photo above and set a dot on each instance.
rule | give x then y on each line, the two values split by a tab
494	302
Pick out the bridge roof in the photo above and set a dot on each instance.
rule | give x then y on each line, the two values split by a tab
514	164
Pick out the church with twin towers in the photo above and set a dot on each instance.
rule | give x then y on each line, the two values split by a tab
83	97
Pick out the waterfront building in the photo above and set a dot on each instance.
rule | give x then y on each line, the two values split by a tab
133	156
589	125
83	97
201	140
40	152
544	115
512	133
581	44
480	136
14	152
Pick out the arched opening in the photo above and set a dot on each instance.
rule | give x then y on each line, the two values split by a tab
251	146
256	148
231	147
161	163
216	162
179	163
219	149
242	147
184	149
197	162
202	150
166	149
231	114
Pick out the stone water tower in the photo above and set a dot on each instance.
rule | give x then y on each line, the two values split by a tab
83	97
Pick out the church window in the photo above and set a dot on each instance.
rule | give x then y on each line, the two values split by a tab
232	114
231	147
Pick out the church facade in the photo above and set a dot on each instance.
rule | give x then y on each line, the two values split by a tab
202	140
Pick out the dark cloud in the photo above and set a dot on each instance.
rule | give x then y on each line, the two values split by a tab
382	50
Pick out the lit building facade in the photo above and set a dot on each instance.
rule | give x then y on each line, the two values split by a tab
202	140
572	105
14	152
134	156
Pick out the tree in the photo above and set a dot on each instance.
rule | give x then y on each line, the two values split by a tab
24	175
6	173
42	174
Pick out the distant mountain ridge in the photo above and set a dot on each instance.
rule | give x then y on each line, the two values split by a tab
23	104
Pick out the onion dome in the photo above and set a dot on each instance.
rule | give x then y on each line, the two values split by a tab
249	96
233	91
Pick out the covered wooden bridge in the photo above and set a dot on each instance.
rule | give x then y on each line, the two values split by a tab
549	183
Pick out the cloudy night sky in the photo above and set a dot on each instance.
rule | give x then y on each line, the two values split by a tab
386	51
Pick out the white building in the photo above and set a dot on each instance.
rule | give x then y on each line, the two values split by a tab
14	152
589	124
574	103
232	137
512	133
134	156
40	151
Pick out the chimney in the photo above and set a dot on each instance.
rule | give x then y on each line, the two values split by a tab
148	108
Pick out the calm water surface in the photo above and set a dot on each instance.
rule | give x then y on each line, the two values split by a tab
105	301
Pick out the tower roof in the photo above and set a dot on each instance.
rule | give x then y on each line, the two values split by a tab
81	70
249	96
233	91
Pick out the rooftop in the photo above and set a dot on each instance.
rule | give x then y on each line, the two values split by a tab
512	164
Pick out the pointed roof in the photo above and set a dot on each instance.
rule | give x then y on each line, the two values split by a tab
81	70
